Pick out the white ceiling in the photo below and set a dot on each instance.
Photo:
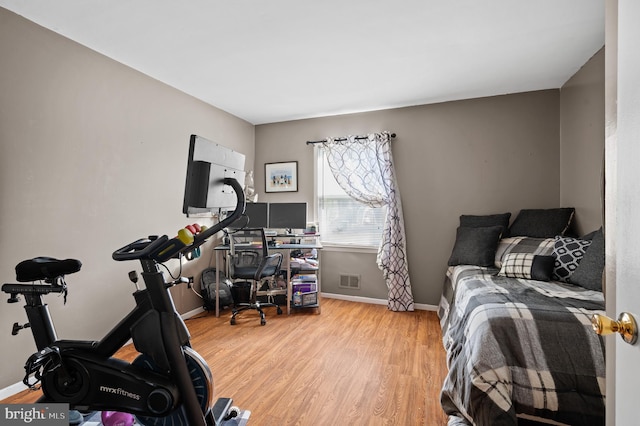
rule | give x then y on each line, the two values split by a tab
279	60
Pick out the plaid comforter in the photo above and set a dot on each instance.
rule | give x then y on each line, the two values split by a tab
520	349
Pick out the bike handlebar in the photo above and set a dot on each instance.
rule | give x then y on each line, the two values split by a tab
161	249
139	249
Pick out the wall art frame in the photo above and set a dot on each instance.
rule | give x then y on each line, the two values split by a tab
281	177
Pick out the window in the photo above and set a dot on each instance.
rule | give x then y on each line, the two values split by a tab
341	219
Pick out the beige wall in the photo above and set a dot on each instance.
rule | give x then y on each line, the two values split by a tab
582	147
478	156
92	156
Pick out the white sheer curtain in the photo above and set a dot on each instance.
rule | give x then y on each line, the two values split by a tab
363	167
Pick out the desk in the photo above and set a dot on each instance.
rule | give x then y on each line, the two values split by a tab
286	264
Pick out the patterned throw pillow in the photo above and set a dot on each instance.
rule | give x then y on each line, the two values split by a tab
528	266
568	252
538	246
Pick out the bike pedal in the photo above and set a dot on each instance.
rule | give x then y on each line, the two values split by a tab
41	357
220	410
38	360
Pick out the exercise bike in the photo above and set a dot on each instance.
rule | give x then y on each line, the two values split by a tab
168	383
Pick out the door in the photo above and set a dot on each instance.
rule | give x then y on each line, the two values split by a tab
622	201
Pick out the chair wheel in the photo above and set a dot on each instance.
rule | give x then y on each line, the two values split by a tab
279	311
263	321
232	321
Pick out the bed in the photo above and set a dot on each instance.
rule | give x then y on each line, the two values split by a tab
516	326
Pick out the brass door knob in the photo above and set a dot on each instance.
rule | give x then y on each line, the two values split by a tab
626	326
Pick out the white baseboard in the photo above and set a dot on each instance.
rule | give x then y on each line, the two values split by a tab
419	306
192	313
12	390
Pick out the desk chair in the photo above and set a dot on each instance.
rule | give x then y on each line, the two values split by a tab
249	259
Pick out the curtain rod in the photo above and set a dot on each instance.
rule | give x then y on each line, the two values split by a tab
393	135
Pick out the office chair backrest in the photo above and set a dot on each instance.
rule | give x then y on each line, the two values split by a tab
250	257
249	239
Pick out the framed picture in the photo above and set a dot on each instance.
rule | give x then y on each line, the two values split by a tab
281	177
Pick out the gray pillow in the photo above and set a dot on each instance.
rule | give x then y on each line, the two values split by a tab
589	271
475	246
541	223
481	221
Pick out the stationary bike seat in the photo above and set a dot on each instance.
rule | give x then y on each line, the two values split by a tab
45	268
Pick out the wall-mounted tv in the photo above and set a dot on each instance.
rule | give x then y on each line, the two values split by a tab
208	164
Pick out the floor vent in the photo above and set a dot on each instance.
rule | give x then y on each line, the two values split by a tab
349	281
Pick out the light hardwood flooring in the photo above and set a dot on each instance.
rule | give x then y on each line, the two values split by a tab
353	364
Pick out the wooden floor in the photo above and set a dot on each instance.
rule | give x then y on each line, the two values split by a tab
353	364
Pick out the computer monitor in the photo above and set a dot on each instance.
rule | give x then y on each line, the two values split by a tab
255	216
287	215
208	164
